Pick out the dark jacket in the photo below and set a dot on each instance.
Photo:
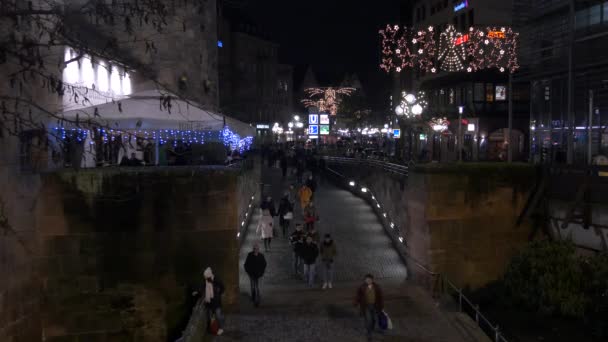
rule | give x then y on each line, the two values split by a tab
285	206
255	265
297	240
328	251
309	253
311	184
270	206
362	302
218	291
316	238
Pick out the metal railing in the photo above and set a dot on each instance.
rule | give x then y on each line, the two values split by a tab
386	166
440	285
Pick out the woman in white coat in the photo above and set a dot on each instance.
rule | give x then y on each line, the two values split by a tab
265	228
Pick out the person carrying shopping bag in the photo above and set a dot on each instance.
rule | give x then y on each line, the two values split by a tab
285	213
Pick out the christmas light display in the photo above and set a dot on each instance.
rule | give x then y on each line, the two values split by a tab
100	135
411	105
451	55
329	100
450	50
439	124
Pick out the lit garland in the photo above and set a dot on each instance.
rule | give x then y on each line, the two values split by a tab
329	101
439	124
451	54
476	50
225	136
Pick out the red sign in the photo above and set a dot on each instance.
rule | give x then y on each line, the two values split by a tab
461	40
496	34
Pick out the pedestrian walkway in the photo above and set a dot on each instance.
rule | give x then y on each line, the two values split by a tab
290	311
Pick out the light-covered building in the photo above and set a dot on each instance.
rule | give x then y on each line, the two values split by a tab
482	95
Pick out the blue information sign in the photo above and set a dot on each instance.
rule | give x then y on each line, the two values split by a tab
313	119
397	133
313	130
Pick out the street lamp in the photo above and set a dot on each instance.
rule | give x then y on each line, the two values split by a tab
290	125
297	118
410	98
460	111
411	105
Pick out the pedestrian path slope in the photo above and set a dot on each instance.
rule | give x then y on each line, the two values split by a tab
290	311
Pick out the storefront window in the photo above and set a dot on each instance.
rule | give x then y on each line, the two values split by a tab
489	92
501	93
478	92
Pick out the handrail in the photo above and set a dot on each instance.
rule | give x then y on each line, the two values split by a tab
386	166
441	278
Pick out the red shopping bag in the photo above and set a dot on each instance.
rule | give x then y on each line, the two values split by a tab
214	326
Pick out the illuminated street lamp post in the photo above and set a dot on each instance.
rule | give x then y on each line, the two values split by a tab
459	141
411	107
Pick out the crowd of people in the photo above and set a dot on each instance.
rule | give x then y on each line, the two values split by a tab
305	239
309	251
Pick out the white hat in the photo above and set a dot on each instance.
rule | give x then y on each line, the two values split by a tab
208	273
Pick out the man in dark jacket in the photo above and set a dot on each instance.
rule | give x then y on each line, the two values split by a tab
285	207
310	182
255	265
297	242
370	301
310	253
269	204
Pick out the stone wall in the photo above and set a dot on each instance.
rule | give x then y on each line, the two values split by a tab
121	249
457	220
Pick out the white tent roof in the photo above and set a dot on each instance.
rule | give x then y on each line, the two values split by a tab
144	110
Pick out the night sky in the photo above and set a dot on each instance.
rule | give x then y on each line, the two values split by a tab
334	36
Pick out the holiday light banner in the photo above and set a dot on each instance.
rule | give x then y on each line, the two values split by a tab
326	100
431	50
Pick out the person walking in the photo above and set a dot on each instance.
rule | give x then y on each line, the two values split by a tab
310	253
305	195
269	205
314	234
297	242
310	216
311	183
212	292
285	213
265	229
255	265
300	167
328	253
370	301
284	164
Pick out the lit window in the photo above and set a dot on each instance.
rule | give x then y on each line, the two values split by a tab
126	84
102	77
115	81
70	73
87	76
595	14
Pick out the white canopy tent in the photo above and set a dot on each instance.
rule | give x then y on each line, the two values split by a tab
148	111
145	111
